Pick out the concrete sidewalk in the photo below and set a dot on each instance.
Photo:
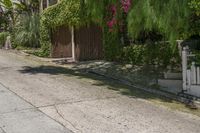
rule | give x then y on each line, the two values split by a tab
18	116
37	97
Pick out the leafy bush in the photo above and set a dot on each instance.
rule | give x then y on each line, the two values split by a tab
3	36
112	45
197	57
27	31
151	54
195	5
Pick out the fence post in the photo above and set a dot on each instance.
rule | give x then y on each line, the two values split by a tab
41	6
198	76
188	79
193	74
47	3
73	43
184	68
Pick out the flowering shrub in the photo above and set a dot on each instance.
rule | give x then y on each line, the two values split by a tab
112	17
124	8
126	4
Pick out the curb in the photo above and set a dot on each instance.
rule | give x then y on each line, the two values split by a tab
191	103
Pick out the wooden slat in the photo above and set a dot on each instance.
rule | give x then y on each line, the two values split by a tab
61	43
193	74
188	78
89	44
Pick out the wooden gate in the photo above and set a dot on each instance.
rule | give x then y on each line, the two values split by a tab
61	43
89	43
87	40
191	74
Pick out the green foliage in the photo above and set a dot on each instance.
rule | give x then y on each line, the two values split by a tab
8	4
169	17
9	12
66	12
134	54
3	36
97	9
197	53
112	46
77	13
151	54
3	22
195	5
27	31
112	43
27	6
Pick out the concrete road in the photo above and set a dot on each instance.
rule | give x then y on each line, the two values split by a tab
38	98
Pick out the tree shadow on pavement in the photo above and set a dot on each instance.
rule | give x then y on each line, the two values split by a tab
111	84
100	80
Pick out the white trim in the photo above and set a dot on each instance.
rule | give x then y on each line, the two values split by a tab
47	3
73	44
41	6
184	68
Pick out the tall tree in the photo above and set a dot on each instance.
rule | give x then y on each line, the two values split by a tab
169	17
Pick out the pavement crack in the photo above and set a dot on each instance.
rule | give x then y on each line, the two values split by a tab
77	101
2	130
61	115
34	107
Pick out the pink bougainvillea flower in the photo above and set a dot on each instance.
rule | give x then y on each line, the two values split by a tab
113	9
126	4
111	23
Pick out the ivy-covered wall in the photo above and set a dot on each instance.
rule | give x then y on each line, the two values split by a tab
66	12
76	13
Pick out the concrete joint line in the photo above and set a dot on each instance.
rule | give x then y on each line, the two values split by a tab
80	101
34	107
2	130
60	114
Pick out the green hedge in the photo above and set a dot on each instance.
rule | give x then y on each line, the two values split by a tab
152	54
3	36
112	45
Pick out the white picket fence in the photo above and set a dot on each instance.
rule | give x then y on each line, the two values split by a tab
191	74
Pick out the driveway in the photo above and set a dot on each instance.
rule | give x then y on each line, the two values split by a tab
37	97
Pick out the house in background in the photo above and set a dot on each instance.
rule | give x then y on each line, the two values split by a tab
84	43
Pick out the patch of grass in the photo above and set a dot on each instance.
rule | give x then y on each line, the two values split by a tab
34	51
174	105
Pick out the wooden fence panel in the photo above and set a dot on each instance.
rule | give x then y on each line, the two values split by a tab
61	43
89	43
